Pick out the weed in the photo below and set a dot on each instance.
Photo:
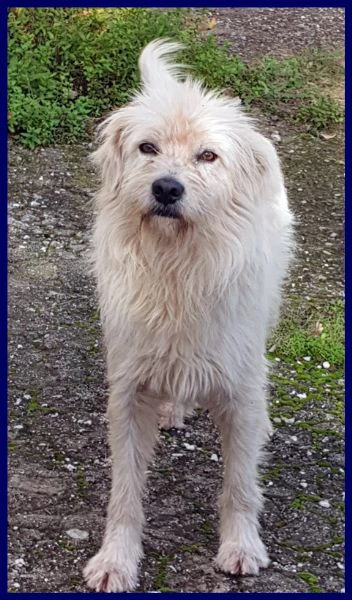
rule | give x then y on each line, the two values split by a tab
58	459
33	405
320	112
207	527
67	66
161	574
301	499
295	337
82	483
311	580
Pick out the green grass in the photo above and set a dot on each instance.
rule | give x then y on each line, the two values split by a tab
301	499
159	583
302	387
311	580
68	66
299	336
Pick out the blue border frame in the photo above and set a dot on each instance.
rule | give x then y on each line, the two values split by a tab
194	4
3	264
3	276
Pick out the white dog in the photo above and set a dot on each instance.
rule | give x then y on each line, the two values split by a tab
192	240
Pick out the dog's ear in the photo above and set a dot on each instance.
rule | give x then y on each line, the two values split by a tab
257	160
108	157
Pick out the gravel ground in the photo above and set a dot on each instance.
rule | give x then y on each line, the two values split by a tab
279	32
59	462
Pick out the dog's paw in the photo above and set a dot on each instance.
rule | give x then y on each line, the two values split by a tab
104	574
237	559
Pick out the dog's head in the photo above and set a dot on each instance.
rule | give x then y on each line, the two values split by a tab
177	153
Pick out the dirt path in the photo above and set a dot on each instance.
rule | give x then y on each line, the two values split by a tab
59	463
279	32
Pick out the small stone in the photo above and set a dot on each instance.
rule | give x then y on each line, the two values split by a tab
78	534
277	420
294	438
189	446
276	137
307	358
19	562
288	421
304	484
324	503
35	203
302	396
214	457
326	365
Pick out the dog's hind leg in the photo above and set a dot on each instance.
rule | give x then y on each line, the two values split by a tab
133	422
171	415
244	426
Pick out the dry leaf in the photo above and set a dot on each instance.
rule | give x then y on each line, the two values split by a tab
317	329
328	136
211	23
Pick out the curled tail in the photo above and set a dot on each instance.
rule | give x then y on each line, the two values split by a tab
155	66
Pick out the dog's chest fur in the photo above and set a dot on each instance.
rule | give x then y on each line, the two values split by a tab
177	336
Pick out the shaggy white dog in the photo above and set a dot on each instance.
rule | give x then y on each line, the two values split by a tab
192	240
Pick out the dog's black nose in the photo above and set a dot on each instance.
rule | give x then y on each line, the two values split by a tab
167	190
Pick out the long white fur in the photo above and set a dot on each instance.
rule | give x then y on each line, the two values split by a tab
186	304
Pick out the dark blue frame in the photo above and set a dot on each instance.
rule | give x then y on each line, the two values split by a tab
3	264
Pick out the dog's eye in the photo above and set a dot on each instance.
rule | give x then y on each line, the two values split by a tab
208	156
147	148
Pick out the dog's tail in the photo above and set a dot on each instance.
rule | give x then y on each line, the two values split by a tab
154	65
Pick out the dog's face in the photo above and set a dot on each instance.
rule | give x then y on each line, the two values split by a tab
177	153
175	166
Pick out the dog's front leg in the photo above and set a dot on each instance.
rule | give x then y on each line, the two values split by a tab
133	424
244	427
